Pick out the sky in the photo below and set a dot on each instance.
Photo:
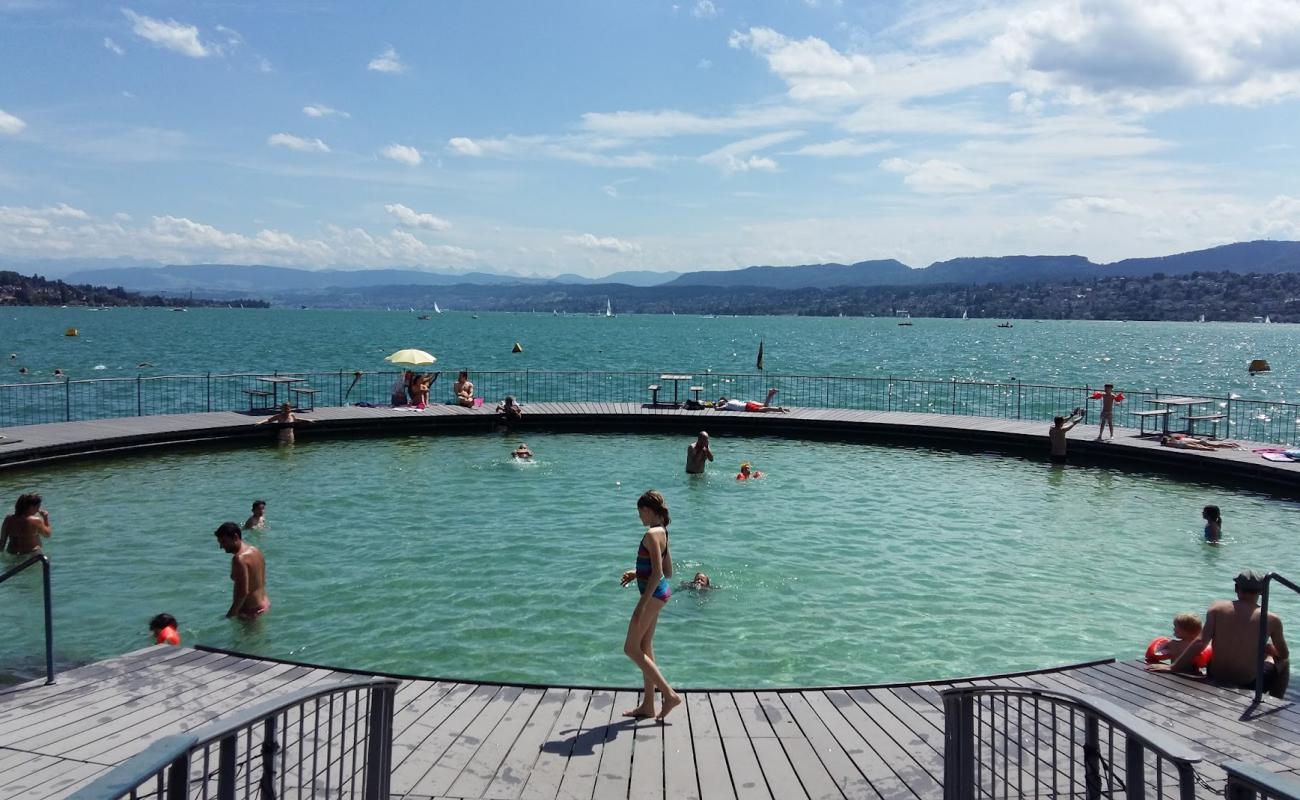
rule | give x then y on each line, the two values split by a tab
592	136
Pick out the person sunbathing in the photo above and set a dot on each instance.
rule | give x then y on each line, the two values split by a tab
725	404
1185	442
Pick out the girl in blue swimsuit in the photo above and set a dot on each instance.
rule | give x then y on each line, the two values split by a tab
654	566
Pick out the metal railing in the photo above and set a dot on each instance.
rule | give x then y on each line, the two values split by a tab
1249	782
44	561
1018	741
68	400
328	741
1262	647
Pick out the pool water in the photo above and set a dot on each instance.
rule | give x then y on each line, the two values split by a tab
436	555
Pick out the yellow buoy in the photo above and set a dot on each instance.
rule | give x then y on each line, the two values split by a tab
1258	365
71	332
518	348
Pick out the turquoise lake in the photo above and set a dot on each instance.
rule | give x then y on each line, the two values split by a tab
848	563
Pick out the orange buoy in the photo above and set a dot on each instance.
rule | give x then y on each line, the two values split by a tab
72	332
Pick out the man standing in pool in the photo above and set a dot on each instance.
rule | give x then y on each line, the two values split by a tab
247	572
1056	433
697	453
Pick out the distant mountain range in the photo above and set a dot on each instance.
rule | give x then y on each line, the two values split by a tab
338	287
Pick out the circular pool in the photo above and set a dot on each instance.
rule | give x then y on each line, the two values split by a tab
437	555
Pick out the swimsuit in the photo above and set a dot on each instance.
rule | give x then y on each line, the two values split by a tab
663	591
254	613
1210	536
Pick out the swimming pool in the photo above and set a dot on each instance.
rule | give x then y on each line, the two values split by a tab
436	555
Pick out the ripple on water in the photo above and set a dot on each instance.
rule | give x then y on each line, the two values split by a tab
848	563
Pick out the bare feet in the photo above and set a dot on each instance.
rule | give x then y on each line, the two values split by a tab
641	712
670	702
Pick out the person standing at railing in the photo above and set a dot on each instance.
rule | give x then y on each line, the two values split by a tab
1232	628
22	531
247	572
1108	398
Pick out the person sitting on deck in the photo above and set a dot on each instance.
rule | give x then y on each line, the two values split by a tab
1232	628
22	531
285	419
725	404
509	412
1187	627
464	390
401	388
419	388
1184	442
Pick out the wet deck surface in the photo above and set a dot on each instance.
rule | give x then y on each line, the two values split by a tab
466	740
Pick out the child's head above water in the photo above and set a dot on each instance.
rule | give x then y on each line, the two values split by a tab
162	621
1187	626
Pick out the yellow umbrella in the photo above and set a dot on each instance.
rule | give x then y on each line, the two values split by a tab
411	357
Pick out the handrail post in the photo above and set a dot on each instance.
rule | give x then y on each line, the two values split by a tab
209	391
269	747
139	400
227	760
178	778
1091	756
379	744
1263	641
1017	399
67	399
1134	770
49	622
340	388
959	747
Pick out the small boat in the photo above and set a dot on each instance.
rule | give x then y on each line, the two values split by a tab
180	309
1005	324
72	332
555	312
907	321
424	316
473	316
1258	365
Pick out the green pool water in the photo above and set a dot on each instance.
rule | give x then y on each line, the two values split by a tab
847	563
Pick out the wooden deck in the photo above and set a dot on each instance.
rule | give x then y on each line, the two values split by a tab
465	740
33	445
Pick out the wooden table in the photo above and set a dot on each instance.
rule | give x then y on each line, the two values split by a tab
275	381
675	379
1190	404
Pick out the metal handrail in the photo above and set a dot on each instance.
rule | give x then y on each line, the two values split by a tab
1263	631
172	754
961	749
1250	782
44	561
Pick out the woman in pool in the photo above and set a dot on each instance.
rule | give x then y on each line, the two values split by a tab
1213	524
654	566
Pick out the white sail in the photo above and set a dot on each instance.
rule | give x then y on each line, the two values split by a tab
609	309
1267	320
963	314
436	310
1202	319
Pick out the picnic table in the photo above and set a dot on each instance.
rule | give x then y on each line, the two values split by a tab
276	381
675	379
1190	403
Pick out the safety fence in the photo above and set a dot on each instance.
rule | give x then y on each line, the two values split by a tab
334	740
68	400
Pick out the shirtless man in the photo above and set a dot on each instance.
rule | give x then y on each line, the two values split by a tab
697	453
257	520
22	530
1056	434
464	389
1232	627
247	571
285	419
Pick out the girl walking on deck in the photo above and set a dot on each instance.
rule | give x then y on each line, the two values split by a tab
654	566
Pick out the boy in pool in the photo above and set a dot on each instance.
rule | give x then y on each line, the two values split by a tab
699	583
257	520
522	453
165	629
747	472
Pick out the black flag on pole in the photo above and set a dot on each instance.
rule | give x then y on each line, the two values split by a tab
760	355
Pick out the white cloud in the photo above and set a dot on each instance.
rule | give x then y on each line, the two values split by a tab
297	143
388	61
113	47
580	149
409	218
739	156
402	154
608	244
667	123
169	35
704	9
465	146
811	68
612	191
318	110
10	124
704	64
842	148
1155	54
1280	219
935	176
1103	205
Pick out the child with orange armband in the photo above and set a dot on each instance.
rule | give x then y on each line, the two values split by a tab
1186	628
164	629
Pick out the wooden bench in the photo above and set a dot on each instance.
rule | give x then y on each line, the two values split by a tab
696	391
255	394
1213	418
298	392
1144	415
654	394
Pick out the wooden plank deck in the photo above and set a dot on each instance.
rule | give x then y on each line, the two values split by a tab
466	740
33	445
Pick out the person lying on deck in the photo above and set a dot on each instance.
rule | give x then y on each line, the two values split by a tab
1185	442
725	404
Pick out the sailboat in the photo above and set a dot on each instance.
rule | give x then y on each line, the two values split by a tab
1267	321
609	309
436	310
907	320
963	314
1202	319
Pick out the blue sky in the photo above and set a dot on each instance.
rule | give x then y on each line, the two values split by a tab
592	136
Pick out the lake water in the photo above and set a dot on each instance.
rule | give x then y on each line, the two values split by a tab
437	555
1166	356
